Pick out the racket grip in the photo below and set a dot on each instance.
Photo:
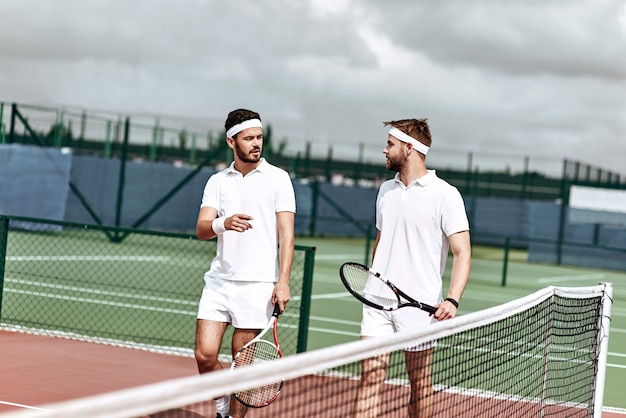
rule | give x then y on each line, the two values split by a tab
276	310
430	309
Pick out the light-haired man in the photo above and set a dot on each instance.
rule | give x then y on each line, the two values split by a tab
419	217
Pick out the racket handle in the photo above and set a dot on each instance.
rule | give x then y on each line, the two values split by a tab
430	309
276	310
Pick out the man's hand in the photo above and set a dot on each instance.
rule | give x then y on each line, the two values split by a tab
238	222
445	310
281	296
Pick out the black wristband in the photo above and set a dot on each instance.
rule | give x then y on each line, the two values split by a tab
452	301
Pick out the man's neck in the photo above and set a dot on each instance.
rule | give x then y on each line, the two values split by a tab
412	172
244	167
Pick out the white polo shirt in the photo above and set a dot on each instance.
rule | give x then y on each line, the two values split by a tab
415	222
266	190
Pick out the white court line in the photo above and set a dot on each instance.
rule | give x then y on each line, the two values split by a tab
558	279
346	257
101	302
95	291
87	258
338	295
19	405
332	331
334	320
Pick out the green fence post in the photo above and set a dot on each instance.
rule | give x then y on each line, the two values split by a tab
305	305
368	245
153	146
505	262
315	189
12	126
58	134
122	178
2	133
565	185
329	162
193	151
107	141
4	234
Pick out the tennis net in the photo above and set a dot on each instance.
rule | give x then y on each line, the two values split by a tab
541	355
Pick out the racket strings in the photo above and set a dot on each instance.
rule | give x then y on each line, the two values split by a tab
260	395
359	280
255	353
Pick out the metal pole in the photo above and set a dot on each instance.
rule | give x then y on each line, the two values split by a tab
305	302
4	236
122	178
604	323
2	132
505	262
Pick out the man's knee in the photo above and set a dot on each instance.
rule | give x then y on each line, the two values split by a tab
207	361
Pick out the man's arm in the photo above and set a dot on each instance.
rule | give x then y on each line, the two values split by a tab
285	225
375	246
461	264
205	228
204	225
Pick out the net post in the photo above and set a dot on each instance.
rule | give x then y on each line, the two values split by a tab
603	337
546	356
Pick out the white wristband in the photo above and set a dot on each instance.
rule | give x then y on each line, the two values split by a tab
218	225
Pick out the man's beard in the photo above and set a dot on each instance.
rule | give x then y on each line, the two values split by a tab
395	164
245	157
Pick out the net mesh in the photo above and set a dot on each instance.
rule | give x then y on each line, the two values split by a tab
542	355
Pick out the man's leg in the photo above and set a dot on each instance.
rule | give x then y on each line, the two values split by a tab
209	336
373	373
422	402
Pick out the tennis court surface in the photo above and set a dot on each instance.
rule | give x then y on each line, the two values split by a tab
78	284
536	356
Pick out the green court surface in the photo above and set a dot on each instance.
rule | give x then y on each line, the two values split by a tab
335	315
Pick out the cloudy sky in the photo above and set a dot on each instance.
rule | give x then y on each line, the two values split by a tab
503	80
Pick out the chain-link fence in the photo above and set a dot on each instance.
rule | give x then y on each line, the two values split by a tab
120	286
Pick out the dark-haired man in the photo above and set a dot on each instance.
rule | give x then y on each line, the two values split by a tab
250	207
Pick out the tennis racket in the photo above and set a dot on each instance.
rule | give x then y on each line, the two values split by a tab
355	278
256	351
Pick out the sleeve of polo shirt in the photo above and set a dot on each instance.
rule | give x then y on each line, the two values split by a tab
454	216
285	195
209	196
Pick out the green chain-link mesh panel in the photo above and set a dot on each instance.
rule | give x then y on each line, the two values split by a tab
120	286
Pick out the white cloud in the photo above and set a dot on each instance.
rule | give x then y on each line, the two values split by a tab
542	78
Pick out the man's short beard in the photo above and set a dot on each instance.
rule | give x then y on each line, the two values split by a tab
246	158
395	164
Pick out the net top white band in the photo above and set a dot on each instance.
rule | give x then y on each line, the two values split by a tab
397	133
250	123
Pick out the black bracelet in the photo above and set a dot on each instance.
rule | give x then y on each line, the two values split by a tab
452	301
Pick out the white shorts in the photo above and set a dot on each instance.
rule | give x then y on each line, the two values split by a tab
240	303
377	323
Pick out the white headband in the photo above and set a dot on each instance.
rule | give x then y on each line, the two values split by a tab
250	123
397	133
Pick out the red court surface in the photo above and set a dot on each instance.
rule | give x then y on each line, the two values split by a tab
37	370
